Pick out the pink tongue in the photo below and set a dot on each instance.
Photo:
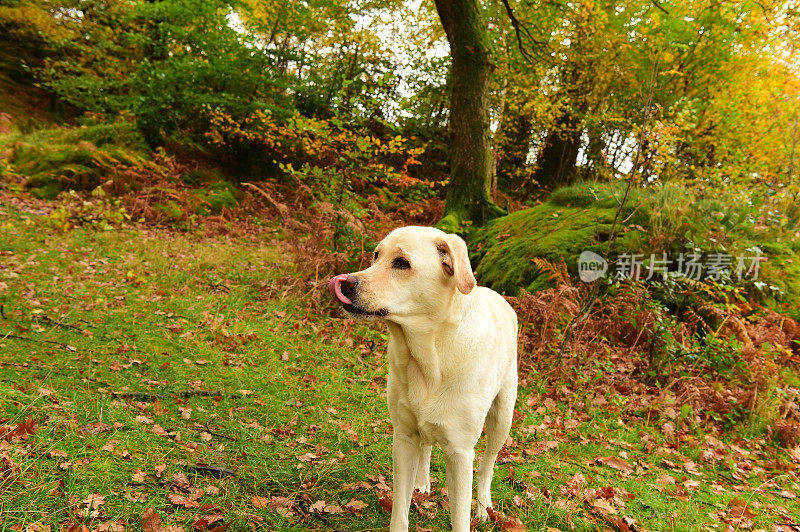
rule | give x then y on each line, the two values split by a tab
335	286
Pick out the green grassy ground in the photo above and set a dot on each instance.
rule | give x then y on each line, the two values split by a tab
135	363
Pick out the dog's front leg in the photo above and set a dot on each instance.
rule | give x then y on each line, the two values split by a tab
405	455
459	486
423	482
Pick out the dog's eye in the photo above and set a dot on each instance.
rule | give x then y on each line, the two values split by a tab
400	264
375	256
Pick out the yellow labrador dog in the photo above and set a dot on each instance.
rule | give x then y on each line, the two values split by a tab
452	363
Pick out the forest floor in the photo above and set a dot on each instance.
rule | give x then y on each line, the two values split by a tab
160	380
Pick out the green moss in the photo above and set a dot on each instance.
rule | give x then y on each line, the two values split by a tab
77	167
79	158
49	191
451	224
170	209
121	134
200	176
504	250
655	220
783	272
216	197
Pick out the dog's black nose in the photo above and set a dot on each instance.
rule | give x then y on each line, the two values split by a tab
349	286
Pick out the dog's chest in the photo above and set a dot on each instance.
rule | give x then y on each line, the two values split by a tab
415	386
420	418
419	403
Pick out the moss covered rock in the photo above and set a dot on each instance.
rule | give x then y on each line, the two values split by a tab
215	197
656	220
504	250
169	209
78	158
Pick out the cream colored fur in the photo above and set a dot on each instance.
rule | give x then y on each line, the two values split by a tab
452	365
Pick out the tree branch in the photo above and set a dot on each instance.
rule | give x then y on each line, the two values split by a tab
659	6
518	29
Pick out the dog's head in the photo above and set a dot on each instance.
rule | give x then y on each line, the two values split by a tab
415	272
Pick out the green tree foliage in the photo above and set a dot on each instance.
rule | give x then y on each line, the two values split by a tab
162	61
721	78
569	81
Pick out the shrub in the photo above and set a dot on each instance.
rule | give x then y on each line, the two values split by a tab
96	211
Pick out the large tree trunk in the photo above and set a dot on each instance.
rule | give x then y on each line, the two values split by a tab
556	164
557	161
513	140
468	195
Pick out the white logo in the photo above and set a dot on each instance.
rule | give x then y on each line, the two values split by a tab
591	266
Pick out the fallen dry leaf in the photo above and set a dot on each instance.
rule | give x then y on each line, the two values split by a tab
151	521
604	506
355	505
94	500
180	480
259	502
386	503
204	522
514	524
616	463
282	505
94	428
180	500
691	468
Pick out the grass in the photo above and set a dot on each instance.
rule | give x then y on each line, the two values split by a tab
141	357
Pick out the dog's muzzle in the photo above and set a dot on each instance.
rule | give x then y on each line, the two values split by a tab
343	289
342	286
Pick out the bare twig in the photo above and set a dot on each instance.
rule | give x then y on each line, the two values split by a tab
16	337
518	29
57	323
215	471
219	434
659	6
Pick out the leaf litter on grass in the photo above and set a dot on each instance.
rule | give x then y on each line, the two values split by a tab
140	408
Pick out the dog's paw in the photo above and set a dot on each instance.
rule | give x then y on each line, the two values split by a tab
423	486
483	515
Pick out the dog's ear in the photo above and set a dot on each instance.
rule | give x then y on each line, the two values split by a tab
455	261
